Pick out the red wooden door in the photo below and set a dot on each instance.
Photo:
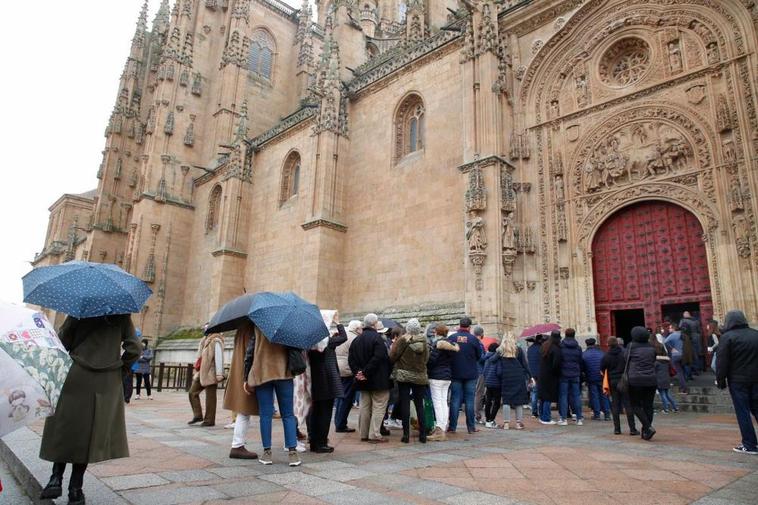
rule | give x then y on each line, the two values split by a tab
649	255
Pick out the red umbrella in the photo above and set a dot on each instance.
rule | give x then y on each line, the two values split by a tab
539	329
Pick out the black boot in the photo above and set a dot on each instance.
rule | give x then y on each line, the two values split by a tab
406	437
54	488
75	493
76	496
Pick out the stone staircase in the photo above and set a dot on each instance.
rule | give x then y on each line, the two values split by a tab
703	397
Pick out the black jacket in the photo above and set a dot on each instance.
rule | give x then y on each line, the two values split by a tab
641	359
737	352
325	375
439	365
513	374
550	375
368	354
614	362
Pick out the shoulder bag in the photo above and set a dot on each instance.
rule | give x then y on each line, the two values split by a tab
623	383
295	361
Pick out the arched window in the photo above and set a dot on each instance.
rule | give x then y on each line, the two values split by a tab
214	209
290	178
409	126
262	54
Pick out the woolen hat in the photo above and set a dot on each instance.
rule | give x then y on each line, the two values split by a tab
590	341
413	327
465	322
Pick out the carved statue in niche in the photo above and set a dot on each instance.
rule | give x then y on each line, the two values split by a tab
675	56
723	115
477	240
729	156
736	200
555	109
509	238
712	50
742	235
524	240
634	153
556	163
560	192
562	225
582	89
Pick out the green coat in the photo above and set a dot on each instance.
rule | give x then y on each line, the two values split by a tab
410	354
88	425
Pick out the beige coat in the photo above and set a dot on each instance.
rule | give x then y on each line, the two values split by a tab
270	362
235	398
207	372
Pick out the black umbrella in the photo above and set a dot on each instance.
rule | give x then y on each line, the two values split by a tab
390	323
231	315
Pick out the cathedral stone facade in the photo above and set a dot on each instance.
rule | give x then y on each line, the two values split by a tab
589	162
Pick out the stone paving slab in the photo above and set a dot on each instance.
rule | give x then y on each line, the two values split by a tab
690	461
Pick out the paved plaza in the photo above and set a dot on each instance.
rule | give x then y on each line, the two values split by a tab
690	461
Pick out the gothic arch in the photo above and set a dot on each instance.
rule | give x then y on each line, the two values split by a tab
262	54
290	180
690	199
214	209
409	125
695	131
719	23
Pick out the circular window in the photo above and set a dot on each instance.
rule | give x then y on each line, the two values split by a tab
625	62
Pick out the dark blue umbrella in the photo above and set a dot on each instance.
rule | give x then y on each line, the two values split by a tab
231	315
287	319
82	289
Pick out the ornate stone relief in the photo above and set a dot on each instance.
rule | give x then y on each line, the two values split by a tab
625	62
510	231
636	152
476	237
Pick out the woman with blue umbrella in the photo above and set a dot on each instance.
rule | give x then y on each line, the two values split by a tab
88	425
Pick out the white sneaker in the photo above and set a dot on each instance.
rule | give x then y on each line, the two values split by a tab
229	426
299	448
490	424
137	397
573	416
562	422
393	424
579	422
149	397
743	450
547	422
265	457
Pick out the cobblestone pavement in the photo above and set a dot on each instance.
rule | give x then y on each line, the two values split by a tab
12	492
689	461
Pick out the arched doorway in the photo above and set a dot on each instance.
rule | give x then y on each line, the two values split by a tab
649	264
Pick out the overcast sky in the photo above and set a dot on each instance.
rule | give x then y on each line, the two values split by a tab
60	77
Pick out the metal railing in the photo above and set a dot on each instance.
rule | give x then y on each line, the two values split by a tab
176	377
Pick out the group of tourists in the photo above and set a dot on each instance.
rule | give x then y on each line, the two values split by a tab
401	366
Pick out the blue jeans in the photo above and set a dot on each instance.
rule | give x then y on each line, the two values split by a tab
598	401
745	400
545	414
344	404
534	402
462	391
284	394
667	400
680	373
570	387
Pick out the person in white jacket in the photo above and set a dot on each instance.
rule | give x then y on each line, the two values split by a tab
209	372
344	404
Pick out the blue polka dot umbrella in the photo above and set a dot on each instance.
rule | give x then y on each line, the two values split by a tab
287	319
82	289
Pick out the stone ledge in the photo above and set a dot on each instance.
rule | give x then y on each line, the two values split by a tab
229	252
326	223
20	450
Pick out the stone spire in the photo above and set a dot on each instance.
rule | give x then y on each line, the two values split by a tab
140	33
241	132
415	25
304	22
162	19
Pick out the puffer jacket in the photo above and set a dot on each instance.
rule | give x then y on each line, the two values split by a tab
641	359
491	380
662	364
533	358
513	373
592	358
409	354
614	362
737	354
438	367
325	376
572	365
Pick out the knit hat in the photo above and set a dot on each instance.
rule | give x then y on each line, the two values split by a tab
413	327
590	341
640	334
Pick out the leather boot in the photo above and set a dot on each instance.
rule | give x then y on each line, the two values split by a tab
54	488
76	496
